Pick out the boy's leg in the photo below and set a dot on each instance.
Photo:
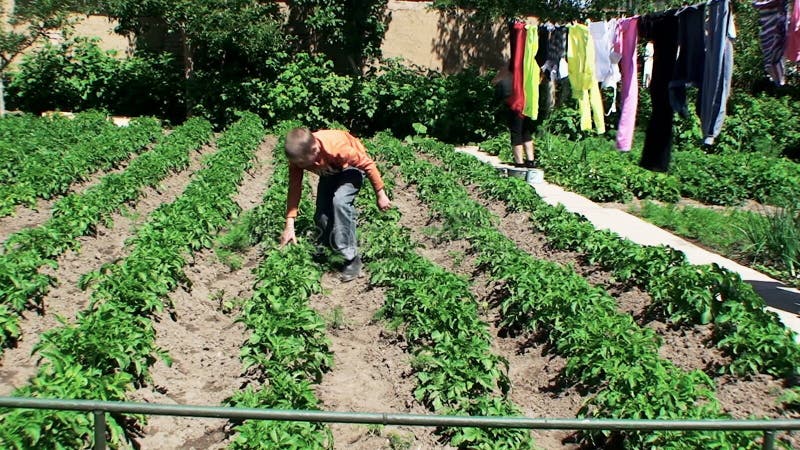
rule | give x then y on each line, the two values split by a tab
343	233
323	216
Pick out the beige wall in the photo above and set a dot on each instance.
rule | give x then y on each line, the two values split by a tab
432	39
103	27
442	41
97	26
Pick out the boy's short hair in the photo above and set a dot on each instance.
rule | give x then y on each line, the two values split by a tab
298	143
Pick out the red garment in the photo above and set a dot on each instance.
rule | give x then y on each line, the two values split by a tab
518	34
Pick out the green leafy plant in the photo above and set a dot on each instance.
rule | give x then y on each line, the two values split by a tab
114	340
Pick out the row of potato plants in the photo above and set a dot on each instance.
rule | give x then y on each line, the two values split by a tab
607	352
456	371
683	293
110	347
287	351
78	214
48	174
26	137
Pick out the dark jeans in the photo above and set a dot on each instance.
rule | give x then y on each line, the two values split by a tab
336	213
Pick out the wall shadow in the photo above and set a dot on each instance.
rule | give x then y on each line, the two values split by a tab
462	41
777	295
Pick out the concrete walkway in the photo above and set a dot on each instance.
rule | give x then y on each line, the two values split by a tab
782	300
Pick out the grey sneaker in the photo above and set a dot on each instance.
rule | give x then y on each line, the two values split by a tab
351	270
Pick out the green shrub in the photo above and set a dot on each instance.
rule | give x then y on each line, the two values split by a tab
78	75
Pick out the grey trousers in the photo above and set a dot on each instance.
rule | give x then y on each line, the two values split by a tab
718	70
336	213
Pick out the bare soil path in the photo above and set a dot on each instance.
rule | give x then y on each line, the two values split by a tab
371	370
202	337
532	371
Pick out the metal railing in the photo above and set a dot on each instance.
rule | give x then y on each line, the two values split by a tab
100	408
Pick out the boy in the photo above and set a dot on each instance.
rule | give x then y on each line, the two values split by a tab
341	161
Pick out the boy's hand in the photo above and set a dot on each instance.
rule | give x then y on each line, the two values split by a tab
383	200
288	235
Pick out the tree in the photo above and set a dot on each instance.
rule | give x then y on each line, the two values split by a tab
241	37
348	32
29	22
556	10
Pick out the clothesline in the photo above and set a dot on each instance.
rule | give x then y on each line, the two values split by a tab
692	46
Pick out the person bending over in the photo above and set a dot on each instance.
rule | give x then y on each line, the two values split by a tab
341	161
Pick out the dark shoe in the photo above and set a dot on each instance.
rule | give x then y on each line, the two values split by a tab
531	164
351	270
519	165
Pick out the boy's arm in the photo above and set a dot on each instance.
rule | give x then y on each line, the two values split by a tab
295	189
360	159
292	203
367	164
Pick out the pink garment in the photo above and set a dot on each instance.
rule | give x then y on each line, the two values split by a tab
625	40
793	34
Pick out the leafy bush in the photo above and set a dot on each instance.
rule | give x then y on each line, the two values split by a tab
454	108
761	124
78	75
307	90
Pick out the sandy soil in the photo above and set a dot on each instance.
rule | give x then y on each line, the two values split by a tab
532	372
202	337
371	369
688	348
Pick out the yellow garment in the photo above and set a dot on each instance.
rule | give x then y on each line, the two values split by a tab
531	73
580	61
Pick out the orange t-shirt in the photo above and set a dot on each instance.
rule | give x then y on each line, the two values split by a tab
338	150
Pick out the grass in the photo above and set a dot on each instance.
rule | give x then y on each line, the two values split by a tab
721	231
770	241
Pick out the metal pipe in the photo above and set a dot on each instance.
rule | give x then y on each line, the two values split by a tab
397	419
769	440
99	430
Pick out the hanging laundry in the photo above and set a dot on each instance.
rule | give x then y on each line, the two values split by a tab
626	36
719	34
690	65
772	17
547	85
662	30
793	34
555	52
531	73
647	71
581	62
606	68
517	100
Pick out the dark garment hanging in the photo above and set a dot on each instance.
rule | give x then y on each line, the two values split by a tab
691	61
719	33
662	30
517	99
554	51
547	85
544	44
502	90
